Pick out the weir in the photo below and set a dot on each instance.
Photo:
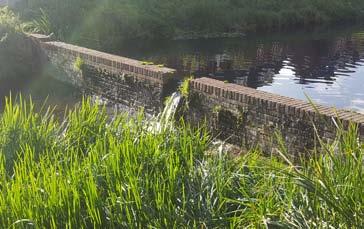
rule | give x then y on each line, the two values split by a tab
251	118
240	115
121	80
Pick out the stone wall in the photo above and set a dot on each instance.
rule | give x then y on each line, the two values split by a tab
118	79
252	118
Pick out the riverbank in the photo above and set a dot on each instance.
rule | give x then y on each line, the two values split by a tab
170	19
89	172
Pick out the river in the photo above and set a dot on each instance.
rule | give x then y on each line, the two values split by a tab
326	66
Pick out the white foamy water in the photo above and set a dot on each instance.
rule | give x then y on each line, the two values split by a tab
166	118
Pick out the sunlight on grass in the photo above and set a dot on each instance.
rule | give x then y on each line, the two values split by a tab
88	171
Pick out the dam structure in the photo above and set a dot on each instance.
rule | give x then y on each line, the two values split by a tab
239	115
121	80
251	118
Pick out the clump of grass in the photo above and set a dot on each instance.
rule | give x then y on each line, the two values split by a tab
41	24
93	171
79	63
184	89
331	184
216	109
87	172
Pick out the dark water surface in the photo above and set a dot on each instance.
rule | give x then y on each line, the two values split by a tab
43	90
327	66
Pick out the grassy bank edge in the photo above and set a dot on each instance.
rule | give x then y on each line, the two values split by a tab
87	171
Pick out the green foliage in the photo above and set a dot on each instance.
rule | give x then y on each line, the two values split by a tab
19	124
9	22
15	59
216	109
79	63
184	89
93	171
332	184
79	20
147	63
40	24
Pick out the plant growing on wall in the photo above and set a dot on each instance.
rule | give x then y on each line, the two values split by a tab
79	63
185	87
216	109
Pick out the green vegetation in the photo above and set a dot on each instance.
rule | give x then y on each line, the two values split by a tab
216	109
108	21
41	24
15	59
147	63
9	22
90	171
184	88
79	63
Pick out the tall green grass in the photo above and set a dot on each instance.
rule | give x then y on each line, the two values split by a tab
95	171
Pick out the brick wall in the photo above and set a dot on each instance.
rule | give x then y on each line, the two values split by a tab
240	115
118	79
124	89
109	62
250	118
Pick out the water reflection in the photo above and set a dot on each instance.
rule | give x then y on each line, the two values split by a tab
328	67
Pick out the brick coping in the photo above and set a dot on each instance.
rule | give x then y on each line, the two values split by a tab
240	93
106	59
